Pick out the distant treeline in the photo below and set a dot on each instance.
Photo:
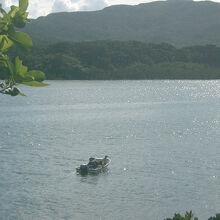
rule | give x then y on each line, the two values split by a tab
114	60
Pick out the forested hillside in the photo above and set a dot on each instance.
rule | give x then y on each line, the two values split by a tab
123	60
178	22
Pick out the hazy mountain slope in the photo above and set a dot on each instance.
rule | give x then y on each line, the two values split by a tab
180	23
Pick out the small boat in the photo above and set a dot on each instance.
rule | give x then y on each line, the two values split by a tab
95	165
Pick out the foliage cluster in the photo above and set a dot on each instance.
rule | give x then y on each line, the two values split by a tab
189	216
14	73
124	60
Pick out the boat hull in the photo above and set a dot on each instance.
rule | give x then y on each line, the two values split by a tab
94	170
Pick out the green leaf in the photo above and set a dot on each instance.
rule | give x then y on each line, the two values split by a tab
21	94
35	84
20	72
23	5
5	43
36	75
20	38
8	91
20	69
19	22
10	66
13	11
3	64
15	91
3	23
20	19
2	85
4	13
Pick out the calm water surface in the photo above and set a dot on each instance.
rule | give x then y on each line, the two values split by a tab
163	138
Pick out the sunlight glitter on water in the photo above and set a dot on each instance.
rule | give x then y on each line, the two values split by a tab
164	146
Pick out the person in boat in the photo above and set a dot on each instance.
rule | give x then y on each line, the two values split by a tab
92	163
104	161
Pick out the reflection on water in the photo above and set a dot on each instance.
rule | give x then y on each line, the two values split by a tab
92	178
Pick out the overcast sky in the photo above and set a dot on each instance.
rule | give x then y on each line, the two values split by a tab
43	7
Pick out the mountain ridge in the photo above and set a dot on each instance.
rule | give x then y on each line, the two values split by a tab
180	23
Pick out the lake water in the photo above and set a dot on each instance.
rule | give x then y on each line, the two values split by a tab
163	138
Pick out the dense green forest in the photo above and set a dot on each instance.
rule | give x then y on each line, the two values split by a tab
177	22
110	60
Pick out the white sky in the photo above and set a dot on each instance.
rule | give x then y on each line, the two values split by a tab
43	7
